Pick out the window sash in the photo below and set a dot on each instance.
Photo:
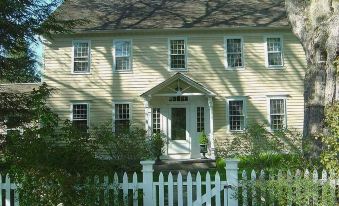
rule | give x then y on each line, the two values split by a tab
81	56
156	120
121	117
234	55
177	54
122	55
277	118
237	115
274	51
200	119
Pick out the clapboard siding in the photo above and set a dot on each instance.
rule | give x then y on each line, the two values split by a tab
150	67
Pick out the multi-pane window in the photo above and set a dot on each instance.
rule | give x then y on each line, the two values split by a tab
236	115
200	119
178	99
177	54
122	117
277	114
274	51
234	52
122	55
81	55
80	116
156	120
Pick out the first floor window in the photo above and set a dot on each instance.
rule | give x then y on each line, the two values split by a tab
122	55
81	56
200	119
236	115
80	116
156	120
177	54
274	51
234	52
122	117
277	113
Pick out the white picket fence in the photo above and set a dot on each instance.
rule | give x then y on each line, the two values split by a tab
179	189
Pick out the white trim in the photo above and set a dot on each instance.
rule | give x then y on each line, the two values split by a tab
279	67
130	70
113	111
88	110
227	67
268	103
236	98
89	56
169	54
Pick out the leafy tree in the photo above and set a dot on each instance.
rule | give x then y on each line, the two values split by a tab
21	23
315	24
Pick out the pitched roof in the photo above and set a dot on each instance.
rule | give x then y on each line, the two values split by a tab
168	14
178	76
18	87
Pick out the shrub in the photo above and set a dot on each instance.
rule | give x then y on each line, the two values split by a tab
203	138
157	145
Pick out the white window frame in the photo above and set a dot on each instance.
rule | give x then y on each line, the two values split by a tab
88	111
89	56
236	98
169	54
113	112
269	97
130	69
160	122
21	130
227	67
282	52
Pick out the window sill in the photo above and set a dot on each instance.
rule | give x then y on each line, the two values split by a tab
276	67
234	68
178	70
79	73
123	72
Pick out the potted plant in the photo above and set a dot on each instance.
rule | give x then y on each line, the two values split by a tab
203	141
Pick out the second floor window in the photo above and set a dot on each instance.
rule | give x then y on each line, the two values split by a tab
177	52
80	116
234	53
274	52
122	55
81	57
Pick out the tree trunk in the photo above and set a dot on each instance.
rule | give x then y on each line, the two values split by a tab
315	23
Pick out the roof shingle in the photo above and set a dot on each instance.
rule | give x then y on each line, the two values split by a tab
167	14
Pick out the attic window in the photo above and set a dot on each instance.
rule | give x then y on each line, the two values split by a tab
178	99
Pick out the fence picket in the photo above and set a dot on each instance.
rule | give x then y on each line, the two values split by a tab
261	178
198	182
189	189
244	188
253	188
217	187
208	189
180	190
135	189
8	190
307	177
161	190
289	189
170	189
316	189
106	191
125	188
116	189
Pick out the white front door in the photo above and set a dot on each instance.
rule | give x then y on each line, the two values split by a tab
178	130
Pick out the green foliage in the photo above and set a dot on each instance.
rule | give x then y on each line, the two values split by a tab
122	151
220	164
22	22
282	190
330	153
157	145
257	139
203	138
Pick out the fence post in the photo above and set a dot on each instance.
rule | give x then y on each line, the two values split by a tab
147	181
232	180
